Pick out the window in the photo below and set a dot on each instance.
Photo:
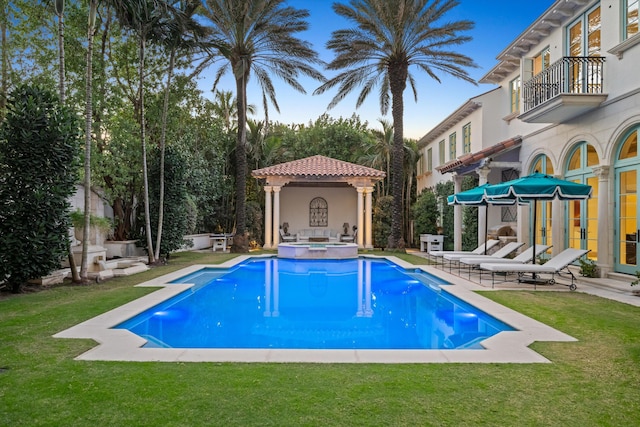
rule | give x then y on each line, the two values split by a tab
541	61
452	146
318	213
514	92
584	34
466	138
441	152
429	160
630	24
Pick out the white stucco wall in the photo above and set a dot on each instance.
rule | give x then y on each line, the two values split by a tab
294	206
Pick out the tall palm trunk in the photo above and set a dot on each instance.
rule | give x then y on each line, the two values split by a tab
143	142
163	135
59	4
239	241
397	81
93	7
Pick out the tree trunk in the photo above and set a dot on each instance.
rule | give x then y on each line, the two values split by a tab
61	71
163	135
143	142
84	265
398	81
240	244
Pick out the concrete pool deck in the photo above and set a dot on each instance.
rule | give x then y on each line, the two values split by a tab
505	347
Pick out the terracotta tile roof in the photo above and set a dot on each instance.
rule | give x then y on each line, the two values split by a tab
471	158
318	166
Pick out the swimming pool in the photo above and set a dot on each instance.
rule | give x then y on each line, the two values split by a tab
314	304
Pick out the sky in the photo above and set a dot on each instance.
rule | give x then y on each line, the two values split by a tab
497	24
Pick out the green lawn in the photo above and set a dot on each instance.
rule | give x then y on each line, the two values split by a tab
595	381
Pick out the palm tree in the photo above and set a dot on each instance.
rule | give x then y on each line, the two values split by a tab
378	154
411	157
259	39
390	37
225	106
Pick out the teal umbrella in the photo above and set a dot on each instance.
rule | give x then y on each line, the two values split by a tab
478	197
538	186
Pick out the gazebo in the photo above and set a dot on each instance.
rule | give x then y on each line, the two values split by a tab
318	193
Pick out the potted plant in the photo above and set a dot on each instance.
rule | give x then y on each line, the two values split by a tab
635	282
588	268
97	223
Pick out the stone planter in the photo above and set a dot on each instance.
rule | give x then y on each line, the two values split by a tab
122	249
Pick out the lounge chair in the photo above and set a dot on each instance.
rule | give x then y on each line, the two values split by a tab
501	253
477	251
523	258
554	267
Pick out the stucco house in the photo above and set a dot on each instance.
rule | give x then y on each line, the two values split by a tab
565	101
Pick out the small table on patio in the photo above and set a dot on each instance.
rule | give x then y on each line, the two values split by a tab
220	241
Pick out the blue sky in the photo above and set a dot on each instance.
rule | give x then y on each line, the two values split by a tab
497	23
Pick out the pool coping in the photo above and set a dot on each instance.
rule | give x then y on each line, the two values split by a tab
123	345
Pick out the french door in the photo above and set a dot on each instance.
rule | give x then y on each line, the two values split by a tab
628	236
582	230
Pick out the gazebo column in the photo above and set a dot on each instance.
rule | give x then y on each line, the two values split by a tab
368	215
457	215
483	174
360	213
276	216
605	212
268	219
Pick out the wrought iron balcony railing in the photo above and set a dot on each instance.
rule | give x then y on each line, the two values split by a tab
569	75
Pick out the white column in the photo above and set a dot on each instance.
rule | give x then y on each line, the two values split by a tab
557	225
368	215
457	216
268	219
522	224
483	174
276	216
360	213
605	213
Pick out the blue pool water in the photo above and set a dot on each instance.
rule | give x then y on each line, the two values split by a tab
314	304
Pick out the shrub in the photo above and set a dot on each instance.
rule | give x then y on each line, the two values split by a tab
588	268
382	221
425	214
175	222
39	153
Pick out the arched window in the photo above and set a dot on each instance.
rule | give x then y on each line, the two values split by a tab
627	182
318	213
582	215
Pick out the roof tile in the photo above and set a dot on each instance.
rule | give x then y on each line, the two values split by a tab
318	166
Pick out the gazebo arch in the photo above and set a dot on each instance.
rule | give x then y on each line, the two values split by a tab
290	187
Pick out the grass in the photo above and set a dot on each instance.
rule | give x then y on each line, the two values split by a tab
595	381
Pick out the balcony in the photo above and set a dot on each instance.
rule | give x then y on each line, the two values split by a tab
566	89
